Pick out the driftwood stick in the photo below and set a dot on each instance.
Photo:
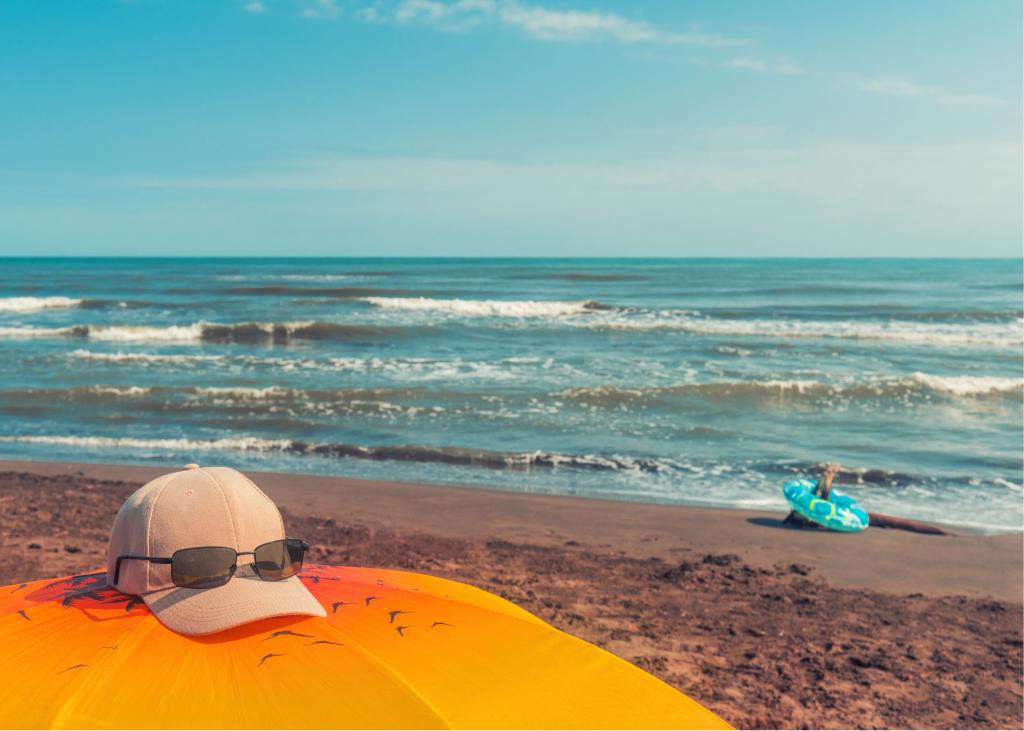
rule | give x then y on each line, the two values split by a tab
877	520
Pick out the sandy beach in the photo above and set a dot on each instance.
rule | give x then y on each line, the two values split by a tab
765	625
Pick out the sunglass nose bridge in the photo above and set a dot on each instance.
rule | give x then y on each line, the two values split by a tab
245	569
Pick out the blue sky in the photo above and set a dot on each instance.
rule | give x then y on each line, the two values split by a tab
502	127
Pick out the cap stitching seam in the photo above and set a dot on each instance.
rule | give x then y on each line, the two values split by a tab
220	489
256	488
149	524
280	518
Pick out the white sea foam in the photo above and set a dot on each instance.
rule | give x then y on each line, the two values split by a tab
35	332
969	385
173	333
211	331
798	385
234	444
875	387
120	357
130	391
35	304
486	308
1001	334
250	393
292	277
413	369
618	394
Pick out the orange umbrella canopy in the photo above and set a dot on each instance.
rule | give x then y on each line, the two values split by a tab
396	650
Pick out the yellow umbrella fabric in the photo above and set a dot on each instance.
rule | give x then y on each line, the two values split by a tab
397	650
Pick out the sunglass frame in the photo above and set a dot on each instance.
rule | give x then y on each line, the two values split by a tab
234	566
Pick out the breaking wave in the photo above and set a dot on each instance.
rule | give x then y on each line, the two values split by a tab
233	444
424	369
970	385
255	401
489	459
892	388
35	304
1002	334
585	277
243	332
488	308
113	332
278	290
284	331
302	277
517	461
243	401
120	357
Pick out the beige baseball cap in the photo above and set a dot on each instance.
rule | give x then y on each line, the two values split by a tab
212	506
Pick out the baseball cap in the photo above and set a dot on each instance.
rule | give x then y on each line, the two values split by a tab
197	507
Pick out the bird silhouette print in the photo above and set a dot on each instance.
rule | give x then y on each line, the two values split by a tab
90	591
370	599
400	630
397	611
325	642
72	668
340	604
442	623
267	657
285	632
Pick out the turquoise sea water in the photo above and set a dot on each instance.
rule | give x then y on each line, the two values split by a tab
698	382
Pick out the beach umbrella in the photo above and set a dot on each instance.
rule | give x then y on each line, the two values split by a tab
395	650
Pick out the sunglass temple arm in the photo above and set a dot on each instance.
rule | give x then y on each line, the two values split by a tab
151	559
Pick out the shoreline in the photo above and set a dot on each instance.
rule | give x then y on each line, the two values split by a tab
883	560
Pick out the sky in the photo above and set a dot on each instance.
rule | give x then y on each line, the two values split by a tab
511	128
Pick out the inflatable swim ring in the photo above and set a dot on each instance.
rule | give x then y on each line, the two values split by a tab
839	512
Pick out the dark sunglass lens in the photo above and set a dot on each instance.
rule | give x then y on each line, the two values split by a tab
279	560
202	568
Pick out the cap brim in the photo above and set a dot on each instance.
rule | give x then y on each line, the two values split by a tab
246	598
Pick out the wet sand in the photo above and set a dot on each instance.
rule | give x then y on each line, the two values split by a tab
767	626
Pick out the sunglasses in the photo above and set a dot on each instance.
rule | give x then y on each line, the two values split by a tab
213	566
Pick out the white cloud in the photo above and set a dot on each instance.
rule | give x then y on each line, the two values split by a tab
762	67
322	9
574	25
969	99
892	87
696	38
596	25
456	16
546	24
367	15
903	87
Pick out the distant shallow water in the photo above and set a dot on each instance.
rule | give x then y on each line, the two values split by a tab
696	382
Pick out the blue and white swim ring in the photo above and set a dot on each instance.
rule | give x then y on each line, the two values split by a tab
840	512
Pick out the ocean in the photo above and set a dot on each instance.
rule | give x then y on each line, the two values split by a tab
681	381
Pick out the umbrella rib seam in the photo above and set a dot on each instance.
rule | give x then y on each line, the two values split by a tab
391	672
467	604
65	709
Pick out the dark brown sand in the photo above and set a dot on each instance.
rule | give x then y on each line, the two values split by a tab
766	626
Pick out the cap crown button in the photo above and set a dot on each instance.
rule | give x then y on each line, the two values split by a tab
191	467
